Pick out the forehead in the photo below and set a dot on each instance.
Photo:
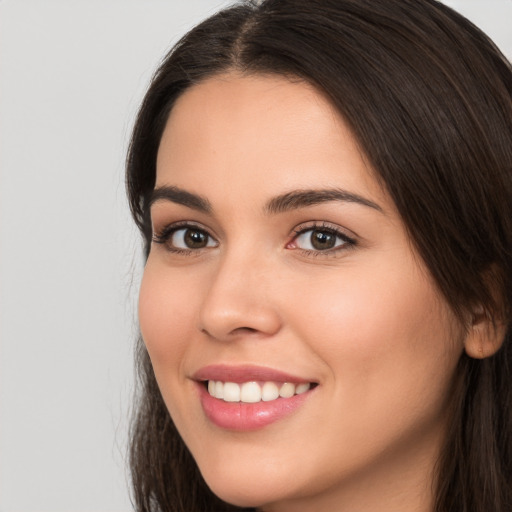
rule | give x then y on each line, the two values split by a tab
233	95
239	130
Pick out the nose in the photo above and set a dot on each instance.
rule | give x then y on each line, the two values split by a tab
240	300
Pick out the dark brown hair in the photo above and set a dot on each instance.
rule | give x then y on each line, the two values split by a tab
429	98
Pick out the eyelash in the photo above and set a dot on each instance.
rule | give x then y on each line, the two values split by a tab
163	236
324	227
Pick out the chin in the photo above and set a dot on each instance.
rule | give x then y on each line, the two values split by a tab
248	495
247	489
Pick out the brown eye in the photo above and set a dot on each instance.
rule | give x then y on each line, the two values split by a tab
191	238
195	239
321	239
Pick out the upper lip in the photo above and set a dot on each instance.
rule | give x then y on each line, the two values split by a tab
245	373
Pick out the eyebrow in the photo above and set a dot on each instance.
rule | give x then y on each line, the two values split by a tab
304	198
293	200
180	196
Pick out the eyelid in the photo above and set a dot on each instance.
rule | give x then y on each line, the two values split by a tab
328	226
350	239
163	234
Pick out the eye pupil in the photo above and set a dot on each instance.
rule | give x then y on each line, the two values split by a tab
195	239
322	240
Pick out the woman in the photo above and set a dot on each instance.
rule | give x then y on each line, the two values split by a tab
324	190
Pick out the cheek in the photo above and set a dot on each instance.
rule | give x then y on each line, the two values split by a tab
383	330
165	314
167	302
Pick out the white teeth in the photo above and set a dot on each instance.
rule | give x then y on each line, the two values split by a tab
269	392
219	390
287	390
252	392
231	392
302	388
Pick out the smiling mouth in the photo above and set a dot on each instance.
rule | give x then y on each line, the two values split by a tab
253	392
245	398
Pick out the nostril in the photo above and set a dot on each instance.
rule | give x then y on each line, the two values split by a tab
238	330
244	329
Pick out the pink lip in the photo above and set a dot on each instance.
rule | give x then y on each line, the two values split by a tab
241	416
239	374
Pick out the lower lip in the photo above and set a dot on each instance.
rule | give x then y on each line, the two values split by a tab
243	417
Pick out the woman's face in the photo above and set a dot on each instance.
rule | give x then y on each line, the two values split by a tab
278	259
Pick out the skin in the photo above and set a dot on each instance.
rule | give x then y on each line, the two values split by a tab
364	321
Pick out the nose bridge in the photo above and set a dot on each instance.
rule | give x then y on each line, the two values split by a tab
239	296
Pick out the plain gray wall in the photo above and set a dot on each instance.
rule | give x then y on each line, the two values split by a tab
71	76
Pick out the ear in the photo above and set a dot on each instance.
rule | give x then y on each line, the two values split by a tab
485	334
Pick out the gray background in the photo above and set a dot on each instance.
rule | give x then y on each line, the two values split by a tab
71	76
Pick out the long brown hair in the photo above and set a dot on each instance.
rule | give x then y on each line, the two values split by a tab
429	98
